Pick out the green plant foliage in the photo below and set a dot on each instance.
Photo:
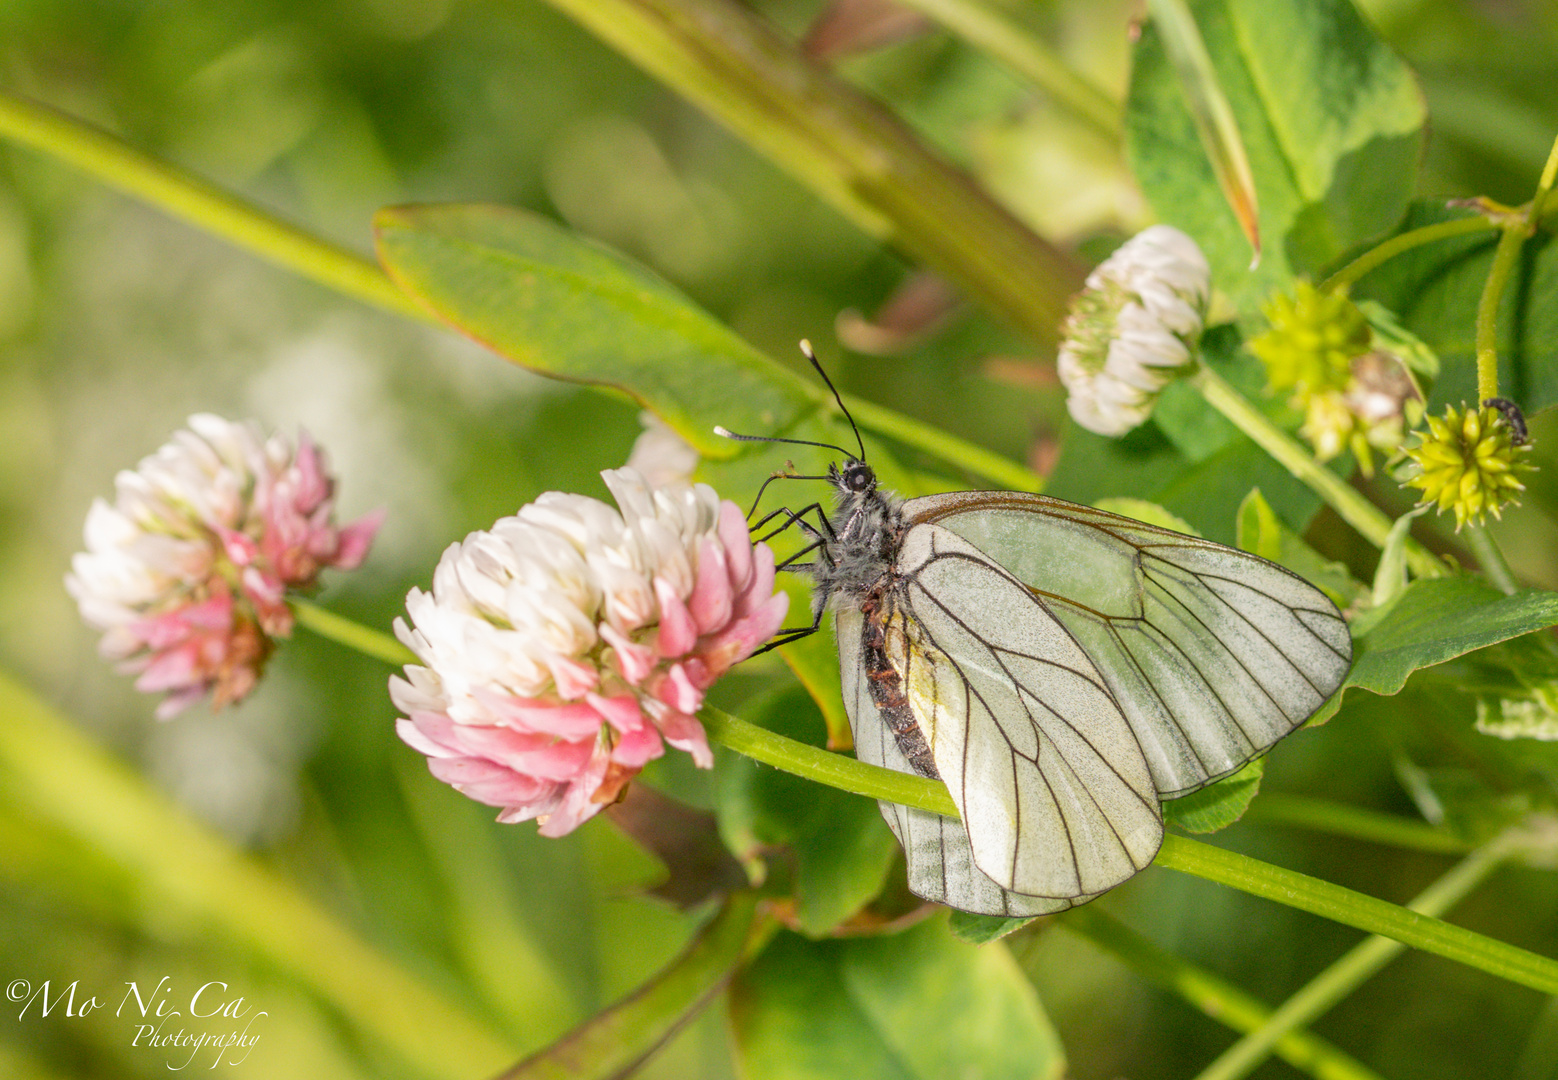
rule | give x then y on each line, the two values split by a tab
920	1005
575	310
1435	289
1434	621
838	848
1331	120
1218	805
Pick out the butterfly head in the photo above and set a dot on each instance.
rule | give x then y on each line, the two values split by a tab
854	480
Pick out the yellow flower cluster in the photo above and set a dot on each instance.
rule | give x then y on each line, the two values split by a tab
1313	337
1468	462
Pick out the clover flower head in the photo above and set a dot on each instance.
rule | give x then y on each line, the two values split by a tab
1468	462
187	572
561	648
660	455
1133	329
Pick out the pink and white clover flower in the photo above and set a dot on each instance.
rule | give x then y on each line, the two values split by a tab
187	572
564	646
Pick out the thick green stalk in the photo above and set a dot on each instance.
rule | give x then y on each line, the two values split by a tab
1389	249
1351	971
190	877
986	27
1177	853
1349	504
1210	994
198	202
849	149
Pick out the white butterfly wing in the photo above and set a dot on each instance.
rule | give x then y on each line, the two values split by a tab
940	859
1212	654
1049	779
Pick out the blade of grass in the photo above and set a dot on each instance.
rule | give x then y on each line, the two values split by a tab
1348	973
189	874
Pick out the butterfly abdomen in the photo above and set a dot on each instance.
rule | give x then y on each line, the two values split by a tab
886	688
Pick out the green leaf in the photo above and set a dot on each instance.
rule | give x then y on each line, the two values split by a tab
1435	289
841	846
1261	532
572	309
1331	120
1435	620
920	1005
1218	805
983	929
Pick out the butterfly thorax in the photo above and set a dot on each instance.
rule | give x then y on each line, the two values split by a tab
867	528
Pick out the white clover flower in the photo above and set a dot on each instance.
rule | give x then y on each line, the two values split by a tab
187	572
563	646
1133	329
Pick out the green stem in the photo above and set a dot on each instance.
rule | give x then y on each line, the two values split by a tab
1177	853
1349	504
374	643
846	147
1360	911
245	225
1426	234
987	28
1516	228
1355	823
1504	259
1491	559
1218	999
1361	963
198	202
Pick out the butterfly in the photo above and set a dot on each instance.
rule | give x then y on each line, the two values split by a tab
1062	669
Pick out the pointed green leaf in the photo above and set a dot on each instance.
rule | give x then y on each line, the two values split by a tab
572	309
1331	120
1432	621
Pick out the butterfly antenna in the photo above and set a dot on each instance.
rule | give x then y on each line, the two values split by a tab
806	351
726	433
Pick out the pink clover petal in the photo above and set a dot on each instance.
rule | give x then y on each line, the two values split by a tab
240	547
675	689
761	586
314	485
678	633
530	755
415	733
621	711
737	542
638	748
486	781
709	604
356	539
634	661
174	704
563	721
685	733
744	636
174	667
578	803
574	678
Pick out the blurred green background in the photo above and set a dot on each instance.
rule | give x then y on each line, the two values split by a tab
116	323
